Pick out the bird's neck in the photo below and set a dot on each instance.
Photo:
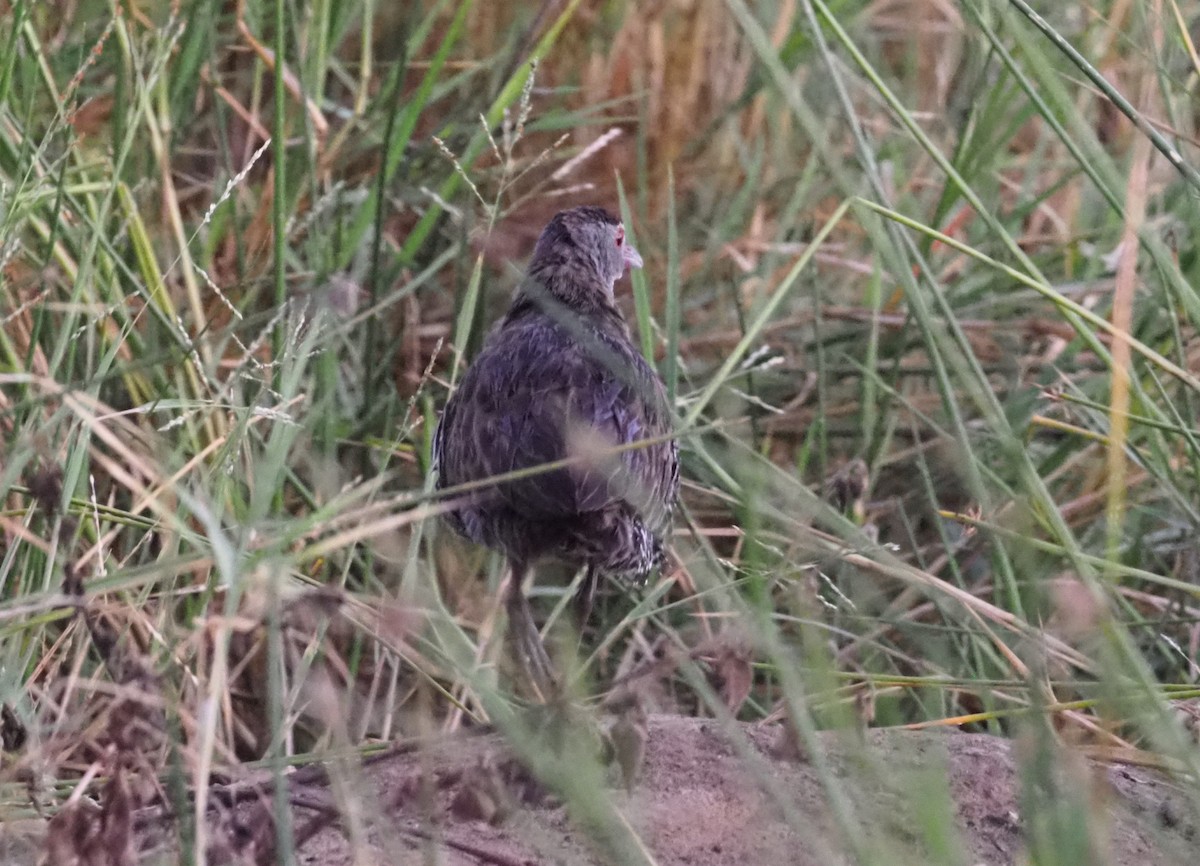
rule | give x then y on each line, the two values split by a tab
544	291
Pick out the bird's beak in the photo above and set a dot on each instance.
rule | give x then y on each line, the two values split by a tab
633	258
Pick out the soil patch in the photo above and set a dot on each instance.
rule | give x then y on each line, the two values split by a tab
704	798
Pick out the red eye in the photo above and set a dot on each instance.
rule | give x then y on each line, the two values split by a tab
620	235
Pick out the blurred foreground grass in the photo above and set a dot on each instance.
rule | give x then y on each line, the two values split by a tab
905	258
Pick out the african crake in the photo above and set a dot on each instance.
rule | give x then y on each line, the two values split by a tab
559	379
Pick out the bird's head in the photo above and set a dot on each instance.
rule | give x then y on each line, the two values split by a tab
585	245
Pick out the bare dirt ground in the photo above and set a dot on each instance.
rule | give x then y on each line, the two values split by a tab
697	803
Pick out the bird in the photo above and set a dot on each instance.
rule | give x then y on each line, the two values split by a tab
562	403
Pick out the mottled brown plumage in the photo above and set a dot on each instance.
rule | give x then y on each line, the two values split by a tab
560	379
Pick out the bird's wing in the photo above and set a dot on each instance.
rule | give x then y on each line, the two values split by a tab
539	395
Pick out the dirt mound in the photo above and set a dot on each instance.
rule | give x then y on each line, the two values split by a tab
705	796
703	800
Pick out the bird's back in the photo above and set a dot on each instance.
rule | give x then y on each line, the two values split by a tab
553	386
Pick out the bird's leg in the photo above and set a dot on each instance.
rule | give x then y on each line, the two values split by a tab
585	597
581	602
523	631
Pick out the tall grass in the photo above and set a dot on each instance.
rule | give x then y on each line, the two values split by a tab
240	273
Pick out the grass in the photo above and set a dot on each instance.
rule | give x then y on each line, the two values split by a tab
952	243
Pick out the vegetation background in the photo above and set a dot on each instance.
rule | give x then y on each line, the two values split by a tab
920	277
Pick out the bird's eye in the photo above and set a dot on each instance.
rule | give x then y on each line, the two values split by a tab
620	235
